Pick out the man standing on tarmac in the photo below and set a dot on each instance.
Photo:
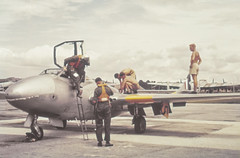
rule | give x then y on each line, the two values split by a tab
102	111
194	65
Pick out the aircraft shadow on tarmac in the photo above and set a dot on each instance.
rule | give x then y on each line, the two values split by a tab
163	129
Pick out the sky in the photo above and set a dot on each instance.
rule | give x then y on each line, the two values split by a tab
150	36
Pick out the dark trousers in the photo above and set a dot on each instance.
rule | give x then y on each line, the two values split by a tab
75	77
103	112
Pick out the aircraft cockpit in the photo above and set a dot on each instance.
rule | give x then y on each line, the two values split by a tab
67	49
54	71
69	55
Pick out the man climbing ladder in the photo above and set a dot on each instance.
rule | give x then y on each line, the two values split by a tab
75	69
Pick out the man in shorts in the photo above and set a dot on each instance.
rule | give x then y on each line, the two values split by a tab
194	64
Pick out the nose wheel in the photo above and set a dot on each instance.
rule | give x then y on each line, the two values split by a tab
36	131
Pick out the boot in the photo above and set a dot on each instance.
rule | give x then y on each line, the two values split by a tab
99	143
108	144
79	93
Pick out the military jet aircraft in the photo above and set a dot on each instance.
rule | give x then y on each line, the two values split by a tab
52	95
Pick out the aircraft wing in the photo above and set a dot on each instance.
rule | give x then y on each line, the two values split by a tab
161	102
174	98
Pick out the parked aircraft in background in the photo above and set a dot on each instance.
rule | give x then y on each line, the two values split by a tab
215	87
5	83
52	95
204	86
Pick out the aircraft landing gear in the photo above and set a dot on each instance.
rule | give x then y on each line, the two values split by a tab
36	131
139	124
138	118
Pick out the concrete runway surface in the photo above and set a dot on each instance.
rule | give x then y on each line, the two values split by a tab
197	130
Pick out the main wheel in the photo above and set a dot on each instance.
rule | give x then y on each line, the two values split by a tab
37	131
139	124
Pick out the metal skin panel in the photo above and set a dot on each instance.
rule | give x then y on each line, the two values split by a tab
31	94
50	95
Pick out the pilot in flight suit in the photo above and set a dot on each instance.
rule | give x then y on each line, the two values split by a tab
75	69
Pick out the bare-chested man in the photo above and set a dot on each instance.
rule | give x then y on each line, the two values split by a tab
194	62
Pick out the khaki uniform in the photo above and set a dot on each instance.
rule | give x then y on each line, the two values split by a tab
129	83
129	72
195	61
194	70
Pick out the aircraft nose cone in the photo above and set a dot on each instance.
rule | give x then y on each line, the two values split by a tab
29	88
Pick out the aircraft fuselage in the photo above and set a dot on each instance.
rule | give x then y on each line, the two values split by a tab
51	95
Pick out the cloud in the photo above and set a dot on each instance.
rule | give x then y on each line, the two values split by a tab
151	37
43	8
25	64
39	56
157	65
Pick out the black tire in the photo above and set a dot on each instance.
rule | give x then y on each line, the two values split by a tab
64	125
140	124
37	131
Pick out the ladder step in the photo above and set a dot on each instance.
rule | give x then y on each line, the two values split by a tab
82	118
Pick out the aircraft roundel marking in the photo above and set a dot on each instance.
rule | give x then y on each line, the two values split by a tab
139	98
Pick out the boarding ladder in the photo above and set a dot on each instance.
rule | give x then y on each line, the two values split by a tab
81	118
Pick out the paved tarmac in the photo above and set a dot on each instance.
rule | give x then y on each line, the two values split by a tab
198	130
